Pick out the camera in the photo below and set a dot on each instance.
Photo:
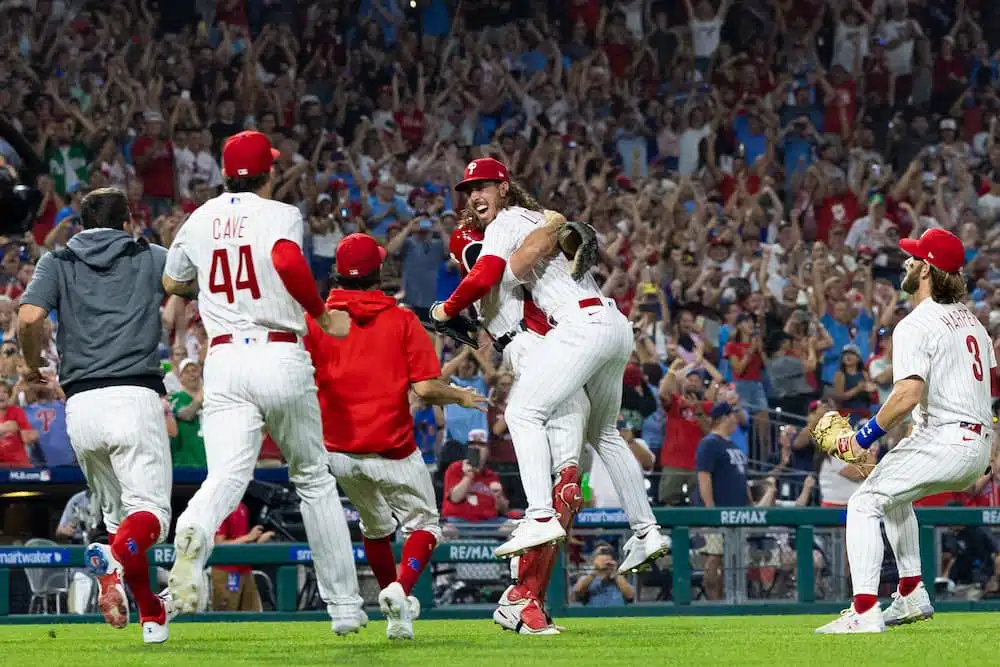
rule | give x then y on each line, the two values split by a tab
474	456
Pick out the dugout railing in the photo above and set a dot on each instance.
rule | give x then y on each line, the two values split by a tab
681	523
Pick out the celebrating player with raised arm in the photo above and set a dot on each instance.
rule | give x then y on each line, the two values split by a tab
105	289
941	361
512	219
364	382
241	252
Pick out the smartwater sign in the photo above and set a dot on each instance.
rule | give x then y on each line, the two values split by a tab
300	555
29	557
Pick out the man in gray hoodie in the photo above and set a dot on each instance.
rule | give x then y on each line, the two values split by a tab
105	290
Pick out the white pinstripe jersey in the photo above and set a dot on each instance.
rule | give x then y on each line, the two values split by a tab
552	287
947	346
502	308
227	244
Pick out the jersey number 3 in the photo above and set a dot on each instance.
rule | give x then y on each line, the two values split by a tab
220	277
977	362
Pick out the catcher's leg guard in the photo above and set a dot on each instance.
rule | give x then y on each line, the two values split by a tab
533	569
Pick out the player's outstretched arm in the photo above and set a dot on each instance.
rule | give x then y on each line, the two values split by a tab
30	331
436	392
294	272
540	244
487	272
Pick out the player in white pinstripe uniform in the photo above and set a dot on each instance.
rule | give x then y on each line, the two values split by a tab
588	348
941	361
518	325
241	253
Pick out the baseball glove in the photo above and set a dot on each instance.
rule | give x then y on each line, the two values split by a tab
459	328
833	435
578	242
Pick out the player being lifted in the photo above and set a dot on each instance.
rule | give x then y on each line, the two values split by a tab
941	361
241	253
588	348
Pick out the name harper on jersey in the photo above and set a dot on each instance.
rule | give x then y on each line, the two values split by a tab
232	228
959	319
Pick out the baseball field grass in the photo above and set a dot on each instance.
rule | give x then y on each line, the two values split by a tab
949	639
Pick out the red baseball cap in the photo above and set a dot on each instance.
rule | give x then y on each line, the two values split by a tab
248	154
939	248
358	255
483	169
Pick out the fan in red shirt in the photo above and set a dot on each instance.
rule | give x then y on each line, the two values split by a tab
153	154
472	492
687	422
364	382
839	208
15	433
233	586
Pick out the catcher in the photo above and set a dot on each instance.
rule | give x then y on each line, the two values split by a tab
941	361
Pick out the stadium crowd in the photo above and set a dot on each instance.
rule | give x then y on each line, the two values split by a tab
749	166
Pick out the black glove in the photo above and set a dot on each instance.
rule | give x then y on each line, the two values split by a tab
459	328
578	242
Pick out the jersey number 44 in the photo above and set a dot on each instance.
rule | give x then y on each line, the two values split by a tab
222	280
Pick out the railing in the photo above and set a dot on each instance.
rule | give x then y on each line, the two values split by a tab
680	521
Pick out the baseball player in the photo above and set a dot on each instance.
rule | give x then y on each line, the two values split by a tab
364	382
105	289
517	325
242	252
941	361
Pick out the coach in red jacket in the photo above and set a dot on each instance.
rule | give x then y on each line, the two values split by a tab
364	382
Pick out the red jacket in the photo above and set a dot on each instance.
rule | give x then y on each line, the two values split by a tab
364	379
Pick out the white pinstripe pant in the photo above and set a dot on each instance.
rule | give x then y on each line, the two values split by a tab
248	386
566	433
587	350
388	492
932	460
120	439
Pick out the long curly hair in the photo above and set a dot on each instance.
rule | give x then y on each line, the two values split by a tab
517	195
947	287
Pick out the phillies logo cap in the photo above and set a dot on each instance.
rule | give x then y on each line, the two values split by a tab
939	248
482	170
247	154
358	255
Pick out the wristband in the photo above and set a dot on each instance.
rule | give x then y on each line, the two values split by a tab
869	432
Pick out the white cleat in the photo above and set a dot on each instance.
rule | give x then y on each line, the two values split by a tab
111	598
346	619
909	608
399	610
530	533
524	616
640	552
851	622
158	631
186	578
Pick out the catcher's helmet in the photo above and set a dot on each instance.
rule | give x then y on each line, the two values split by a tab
465	244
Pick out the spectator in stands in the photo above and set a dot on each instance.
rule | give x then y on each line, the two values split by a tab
722	482
602	586
188	447
172	378
233	586
428	427
792	465
602	491
473	369
971	555
153	153
790	390
852	387
16	434
472	492
421	247
45	408
77	519
682	392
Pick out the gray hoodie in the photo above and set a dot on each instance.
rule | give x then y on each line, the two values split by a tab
106	290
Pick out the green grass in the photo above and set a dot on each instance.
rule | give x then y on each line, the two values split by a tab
785	641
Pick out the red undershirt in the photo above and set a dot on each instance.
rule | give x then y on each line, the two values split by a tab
294	272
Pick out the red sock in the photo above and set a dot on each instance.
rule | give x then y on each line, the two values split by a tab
908	584
417	550
863	602
135	535
380	559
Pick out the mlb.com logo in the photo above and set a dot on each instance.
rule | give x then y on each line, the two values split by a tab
30	476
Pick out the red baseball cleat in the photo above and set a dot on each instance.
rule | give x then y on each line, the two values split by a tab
108	571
